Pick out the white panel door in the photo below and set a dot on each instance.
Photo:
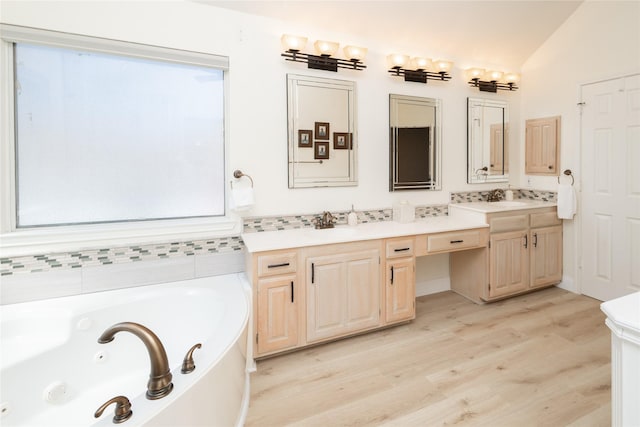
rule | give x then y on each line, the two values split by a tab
611	188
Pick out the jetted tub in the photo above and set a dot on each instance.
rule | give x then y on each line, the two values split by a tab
54	372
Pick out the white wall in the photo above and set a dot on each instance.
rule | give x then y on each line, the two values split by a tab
258	133
601	40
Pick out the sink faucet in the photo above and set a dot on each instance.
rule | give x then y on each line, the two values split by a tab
159	384
325	221
495	195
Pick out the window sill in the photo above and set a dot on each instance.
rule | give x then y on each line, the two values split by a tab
39	241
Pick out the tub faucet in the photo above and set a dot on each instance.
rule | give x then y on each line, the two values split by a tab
159	384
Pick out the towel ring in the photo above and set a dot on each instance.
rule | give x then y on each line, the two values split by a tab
237	174
568	173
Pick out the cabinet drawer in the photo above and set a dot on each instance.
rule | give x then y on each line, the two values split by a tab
455	241
280	263
508	223
398	248
545	219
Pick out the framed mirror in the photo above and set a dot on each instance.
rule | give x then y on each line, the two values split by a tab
415	161
487	141
321	121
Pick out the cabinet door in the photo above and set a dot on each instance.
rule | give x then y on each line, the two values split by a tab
508	263
546	256
542	146
277	314
343	294
400	290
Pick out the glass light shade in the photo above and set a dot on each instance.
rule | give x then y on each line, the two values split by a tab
443	66
475	73
397	60
326	48
290	42
493	76
512	77
354	52
419	63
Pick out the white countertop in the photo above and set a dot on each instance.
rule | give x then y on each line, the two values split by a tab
502	206
296	238
624	312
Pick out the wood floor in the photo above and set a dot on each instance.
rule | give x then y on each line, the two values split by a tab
541	359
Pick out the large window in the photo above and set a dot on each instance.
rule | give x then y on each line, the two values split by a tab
112	132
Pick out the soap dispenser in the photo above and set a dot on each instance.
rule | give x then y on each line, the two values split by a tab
352	218
508	195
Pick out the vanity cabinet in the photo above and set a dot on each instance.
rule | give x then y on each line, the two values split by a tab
400	290
525	252
343	289
276	301
311	287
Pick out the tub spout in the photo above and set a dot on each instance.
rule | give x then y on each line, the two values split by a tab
159	384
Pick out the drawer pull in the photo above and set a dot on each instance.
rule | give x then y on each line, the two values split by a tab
526	241
456	241
401	249
292	291
284	264
392	275
313	273
535	240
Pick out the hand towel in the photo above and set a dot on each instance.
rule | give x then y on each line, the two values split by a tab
566	201
241	199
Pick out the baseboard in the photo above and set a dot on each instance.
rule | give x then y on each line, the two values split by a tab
568	284
433	286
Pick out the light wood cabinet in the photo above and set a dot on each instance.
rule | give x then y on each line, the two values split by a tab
525	253
542	146
277	313
546	256
508	263
313	294
400	292
276	300
343	293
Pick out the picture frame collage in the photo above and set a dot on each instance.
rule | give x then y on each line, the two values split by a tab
320	145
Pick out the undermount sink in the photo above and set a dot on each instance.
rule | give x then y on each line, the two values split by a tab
508	203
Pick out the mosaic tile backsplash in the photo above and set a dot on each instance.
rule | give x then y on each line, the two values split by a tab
107	256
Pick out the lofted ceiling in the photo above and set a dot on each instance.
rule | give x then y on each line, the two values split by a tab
480	33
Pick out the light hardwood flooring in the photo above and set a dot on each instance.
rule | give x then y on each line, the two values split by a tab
541	359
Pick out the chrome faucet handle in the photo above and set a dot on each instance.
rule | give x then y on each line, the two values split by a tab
188	364
123	409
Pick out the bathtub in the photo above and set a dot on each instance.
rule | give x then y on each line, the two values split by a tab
54	372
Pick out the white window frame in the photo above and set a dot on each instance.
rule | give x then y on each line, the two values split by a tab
41	240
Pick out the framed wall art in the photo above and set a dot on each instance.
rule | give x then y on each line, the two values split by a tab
321	150
322	130
305	138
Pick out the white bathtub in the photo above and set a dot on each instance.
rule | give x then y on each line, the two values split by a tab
54	372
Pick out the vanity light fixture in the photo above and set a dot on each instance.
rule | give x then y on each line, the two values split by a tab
324	59
492	81
419	69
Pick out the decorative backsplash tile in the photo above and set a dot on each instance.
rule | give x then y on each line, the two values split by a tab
260	224
107	256
480	196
